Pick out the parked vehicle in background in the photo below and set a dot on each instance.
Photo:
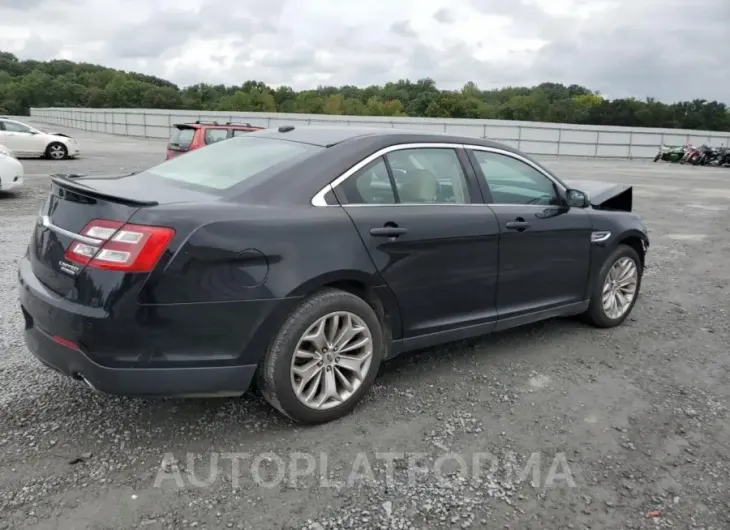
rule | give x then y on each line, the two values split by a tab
711	156
669	153
697	156
11	170
721	158
189	136
703	155
26	141
302	258
692	154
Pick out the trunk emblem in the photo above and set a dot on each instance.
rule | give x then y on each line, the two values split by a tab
68	268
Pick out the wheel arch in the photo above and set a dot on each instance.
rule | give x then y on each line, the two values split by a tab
366	286
637	240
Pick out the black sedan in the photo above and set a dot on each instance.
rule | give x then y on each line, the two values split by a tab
302	258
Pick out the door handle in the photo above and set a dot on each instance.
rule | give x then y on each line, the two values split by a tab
388	231
518	224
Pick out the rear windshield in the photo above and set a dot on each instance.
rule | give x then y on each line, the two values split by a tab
182	137
224	164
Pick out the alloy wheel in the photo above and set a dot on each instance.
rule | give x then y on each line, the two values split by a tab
619	288
57	152
331	360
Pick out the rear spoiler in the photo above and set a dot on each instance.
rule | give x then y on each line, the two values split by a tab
68	181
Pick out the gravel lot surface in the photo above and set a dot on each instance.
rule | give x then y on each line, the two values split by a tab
628	428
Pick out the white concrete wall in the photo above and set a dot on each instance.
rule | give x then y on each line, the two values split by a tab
531	137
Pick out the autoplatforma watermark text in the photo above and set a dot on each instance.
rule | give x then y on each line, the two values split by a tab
270	470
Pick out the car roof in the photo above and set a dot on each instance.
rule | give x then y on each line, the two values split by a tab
11	120
211	125
328	136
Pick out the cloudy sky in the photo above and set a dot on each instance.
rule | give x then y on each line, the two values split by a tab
668	49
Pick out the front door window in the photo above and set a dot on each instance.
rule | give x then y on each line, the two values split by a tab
511	181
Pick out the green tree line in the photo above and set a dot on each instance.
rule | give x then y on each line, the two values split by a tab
59	83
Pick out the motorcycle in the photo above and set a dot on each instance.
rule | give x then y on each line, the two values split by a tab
670	153
701	155
719	157
692	154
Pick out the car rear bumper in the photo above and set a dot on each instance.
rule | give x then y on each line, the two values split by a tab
8	184
11	173
143	382
61	349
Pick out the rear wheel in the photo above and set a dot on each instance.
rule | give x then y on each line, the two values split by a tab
324	358
617	288
56	151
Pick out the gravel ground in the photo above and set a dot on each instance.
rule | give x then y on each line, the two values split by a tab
552	426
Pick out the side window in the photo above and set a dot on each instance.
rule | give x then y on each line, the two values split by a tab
12	126
429	176
215	135
240	132
512	181
370	185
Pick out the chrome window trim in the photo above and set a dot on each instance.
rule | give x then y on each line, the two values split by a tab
462	204
520	158
319	201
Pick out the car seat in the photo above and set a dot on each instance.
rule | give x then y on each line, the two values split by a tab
419	186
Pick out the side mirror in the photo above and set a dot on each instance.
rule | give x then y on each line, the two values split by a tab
577	199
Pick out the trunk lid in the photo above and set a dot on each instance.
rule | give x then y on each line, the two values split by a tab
75	201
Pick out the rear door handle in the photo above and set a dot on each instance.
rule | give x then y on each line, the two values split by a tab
517	225
388	231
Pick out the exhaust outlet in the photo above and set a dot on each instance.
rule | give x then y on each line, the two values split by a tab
79	377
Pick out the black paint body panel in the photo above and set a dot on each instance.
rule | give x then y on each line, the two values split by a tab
241	261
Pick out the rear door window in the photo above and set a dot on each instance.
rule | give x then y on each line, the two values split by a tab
182	137
429	176
370	185
216	135
226	164
241	132
14	126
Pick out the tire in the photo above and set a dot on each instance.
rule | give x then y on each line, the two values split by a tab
596	315
56	151
275	375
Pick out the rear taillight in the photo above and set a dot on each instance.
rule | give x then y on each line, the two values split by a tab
123	247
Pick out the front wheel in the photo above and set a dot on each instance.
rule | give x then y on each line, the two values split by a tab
324	358
56	151
617	288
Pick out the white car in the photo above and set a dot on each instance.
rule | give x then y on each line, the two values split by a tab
11	171
27	141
